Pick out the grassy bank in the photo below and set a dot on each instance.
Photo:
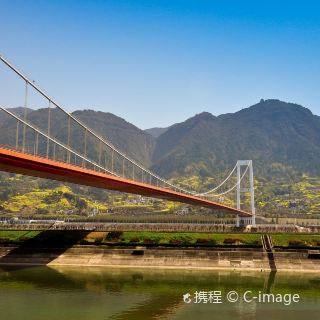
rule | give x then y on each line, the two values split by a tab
131	238
13	235
156	238
190	238
296	240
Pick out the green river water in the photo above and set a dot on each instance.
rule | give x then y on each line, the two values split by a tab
55	293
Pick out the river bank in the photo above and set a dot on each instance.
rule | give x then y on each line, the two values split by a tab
157	257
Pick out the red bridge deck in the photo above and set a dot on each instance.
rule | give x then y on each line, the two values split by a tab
19	162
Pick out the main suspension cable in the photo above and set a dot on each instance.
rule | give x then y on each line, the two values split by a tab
229	190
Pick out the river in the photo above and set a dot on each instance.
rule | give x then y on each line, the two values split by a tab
57	293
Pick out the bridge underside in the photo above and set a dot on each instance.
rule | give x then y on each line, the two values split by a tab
22	163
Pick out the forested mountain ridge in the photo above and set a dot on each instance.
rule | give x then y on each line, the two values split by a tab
269	132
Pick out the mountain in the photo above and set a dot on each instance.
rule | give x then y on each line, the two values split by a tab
156	132
135	142
268	132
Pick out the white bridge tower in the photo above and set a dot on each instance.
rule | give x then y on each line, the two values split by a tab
246	163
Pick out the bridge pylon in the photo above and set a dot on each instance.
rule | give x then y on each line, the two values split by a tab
246	220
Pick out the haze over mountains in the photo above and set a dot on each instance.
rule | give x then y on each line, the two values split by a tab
269	132
156	132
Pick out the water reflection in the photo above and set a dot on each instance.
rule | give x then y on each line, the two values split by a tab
103	293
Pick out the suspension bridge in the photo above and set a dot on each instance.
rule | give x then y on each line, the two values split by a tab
33	148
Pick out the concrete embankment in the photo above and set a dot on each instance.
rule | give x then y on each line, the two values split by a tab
186	258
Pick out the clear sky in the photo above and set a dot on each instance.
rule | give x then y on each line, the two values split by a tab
155	63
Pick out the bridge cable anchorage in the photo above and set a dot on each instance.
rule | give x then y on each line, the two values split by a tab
147	176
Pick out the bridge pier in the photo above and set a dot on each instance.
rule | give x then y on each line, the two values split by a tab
245	221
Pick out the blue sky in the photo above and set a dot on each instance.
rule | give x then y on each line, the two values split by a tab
155	63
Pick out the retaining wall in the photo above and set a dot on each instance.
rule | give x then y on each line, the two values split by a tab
186	258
